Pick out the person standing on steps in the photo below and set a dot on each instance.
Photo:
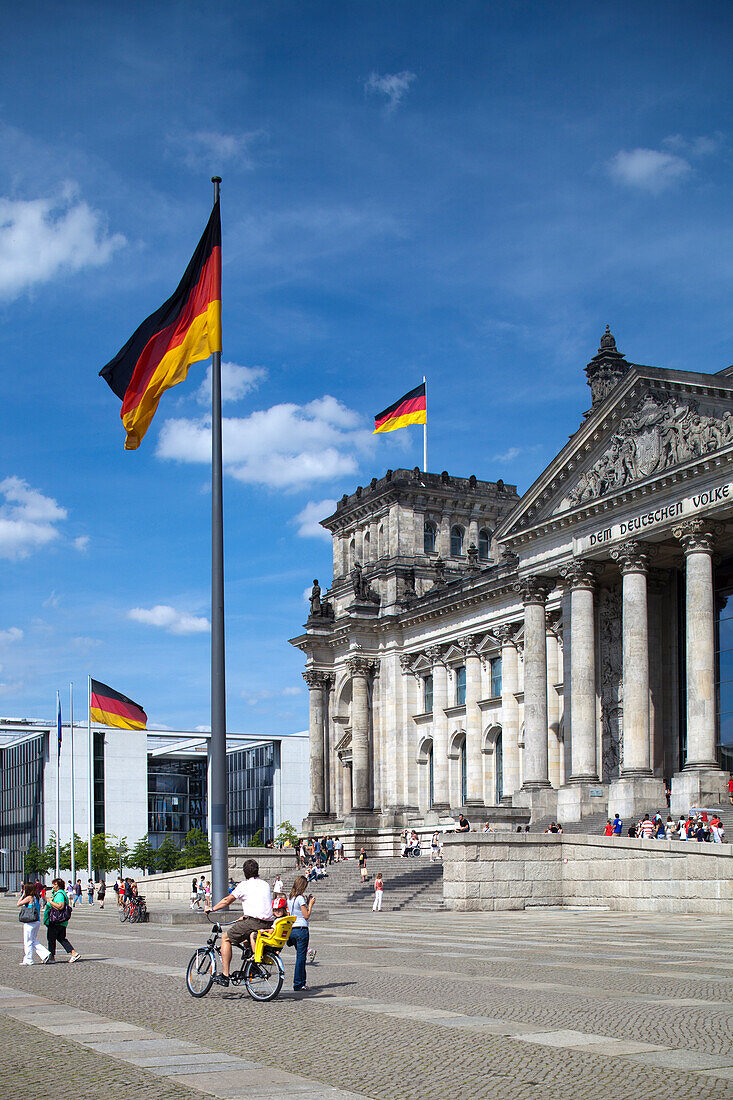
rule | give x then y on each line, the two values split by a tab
378	893
363	864
300	907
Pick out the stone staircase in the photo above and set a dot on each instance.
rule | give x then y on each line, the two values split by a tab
409	883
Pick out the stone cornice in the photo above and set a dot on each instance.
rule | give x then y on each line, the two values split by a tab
521	526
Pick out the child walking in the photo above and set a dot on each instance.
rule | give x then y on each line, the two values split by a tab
378	893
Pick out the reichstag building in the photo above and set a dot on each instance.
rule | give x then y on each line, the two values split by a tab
569	651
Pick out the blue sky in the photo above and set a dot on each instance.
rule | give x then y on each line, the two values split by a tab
469	191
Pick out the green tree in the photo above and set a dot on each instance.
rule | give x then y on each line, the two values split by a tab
105	856
119	845
80	853
257	841
196	851
142	855
167	856
286	832
36	860
49	852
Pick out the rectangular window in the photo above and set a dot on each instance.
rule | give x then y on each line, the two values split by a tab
461	686
427	694
495	666
98	749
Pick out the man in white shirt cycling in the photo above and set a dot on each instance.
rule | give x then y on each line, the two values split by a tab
256	898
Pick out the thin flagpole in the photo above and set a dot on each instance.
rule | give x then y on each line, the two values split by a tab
218	739
71	752
58	781
90	791
425	430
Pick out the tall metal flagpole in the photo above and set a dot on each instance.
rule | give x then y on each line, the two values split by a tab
58	782
218	739
90	790
425	430
71	753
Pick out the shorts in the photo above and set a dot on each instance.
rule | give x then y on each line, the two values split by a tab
241	929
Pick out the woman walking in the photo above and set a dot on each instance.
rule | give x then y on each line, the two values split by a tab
56	930
300	907
101	892
30	918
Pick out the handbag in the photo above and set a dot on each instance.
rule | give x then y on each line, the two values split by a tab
59	916
29	914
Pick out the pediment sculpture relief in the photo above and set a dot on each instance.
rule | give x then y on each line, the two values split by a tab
661	433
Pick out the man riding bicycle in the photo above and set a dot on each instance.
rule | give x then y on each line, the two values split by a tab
256	898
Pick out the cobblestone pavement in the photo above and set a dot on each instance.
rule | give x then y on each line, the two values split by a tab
545	1005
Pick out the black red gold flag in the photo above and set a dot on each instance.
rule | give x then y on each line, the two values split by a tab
410	409
186	329
109	708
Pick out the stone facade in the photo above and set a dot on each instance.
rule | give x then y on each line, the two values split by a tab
555	652
536	870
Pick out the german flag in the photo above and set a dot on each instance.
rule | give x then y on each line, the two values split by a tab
410	409
109	708
186	329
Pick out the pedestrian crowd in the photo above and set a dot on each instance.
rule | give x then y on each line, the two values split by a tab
702	825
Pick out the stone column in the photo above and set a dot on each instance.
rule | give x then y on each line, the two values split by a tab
361	669
534	592
346	790
552	639
697	541
474	759
509	707
633	559
580	579
441	789
318	683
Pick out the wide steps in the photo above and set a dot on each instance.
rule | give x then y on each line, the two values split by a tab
408	883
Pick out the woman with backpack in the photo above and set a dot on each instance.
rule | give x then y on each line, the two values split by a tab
29	916
56	917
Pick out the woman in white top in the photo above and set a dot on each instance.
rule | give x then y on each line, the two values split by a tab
300	906
29	903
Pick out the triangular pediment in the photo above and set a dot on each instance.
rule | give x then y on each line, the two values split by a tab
655	424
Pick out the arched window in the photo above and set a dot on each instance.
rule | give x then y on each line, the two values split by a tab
429	537
464	774
456	542
380	541
352	553
366	544
484	542
431	778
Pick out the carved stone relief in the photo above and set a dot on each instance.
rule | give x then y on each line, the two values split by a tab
662	432
611	666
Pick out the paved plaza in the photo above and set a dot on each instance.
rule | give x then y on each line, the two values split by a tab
423	1005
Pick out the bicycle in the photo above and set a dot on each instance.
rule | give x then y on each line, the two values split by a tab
134	909
262	973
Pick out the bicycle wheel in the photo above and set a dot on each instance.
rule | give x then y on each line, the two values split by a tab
263	981
134	914
124	913
200	972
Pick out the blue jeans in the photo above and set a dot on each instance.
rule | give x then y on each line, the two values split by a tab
299	939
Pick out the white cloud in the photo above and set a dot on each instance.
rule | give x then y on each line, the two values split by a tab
28	519
202	729
86	644
308	520
53	600
392	85
292	691
508	456
214	148
283	447
13	634
703	146
41	237
81	543
167	618
649	169
254	698
236	381
11	688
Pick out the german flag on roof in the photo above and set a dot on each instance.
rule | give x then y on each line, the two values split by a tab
410	409
109	708
186	329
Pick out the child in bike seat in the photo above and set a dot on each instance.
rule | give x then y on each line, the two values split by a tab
279	909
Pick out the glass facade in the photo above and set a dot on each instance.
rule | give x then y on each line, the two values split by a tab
98	781
176	799
21	806
251	789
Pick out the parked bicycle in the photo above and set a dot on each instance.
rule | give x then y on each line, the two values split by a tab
261	973
134	910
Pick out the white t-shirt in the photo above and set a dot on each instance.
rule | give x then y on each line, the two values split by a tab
256	899
295	908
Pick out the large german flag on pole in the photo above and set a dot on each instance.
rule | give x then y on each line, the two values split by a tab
108	708
186	329
410	409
